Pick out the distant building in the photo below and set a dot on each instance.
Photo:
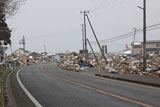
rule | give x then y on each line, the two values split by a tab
35	55
152	47
82	52
44	53
20	52
51	56
60	56
104	49
137	48
127	52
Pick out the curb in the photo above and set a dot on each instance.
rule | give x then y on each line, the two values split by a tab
10	97
128	80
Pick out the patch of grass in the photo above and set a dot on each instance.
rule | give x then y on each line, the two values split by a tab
3	76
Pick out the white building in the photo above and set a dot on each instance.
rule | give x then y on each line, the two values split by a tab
20	52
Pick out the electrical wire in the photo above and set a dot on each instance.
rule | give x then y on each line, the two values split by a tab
107	5
153	29
153	25
130	34
102	5
117	37
99	4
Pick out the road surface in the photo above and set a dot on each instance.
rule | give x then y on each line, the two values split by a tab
49	86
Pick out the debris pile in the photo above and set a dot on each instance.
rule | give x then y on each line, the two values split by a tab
121	64
76	62
19	59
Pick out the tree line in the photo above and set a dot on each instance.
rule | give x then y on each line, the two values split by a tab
7	8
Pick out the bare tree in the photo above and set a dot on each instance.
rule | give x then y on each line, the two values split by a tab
7	8
10	7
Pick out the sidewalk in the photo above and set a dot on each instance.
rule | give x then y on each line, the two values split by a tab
134	78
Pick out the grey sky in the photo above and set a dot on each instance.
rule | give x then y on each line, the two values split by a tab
56	23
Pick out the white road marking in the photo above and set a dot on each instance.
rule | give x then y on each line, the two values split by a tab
119	81
95	89
27	92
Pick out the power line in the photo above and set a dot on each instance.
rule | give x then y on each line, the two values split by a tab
130	34
153	25
102	5
126	36
118	37
118	44
153	29
107	5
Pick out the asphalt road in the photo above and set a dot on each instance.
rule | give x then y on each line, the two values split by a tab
54	87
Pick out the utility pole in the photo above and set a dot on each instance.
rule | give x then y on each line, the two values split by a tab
45	49
93	51
23	43
11	48
85	35
135	30
106	50
144	35
83	39
96	39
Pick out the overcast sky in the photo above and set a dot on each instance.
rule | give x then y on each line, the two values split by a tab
57	23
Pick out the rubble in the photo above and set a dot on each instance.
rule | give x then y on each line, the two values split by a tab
117	63
18	58
121	64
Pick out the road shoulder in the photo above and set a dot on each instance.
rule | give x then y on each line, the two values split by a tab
12	102
16	96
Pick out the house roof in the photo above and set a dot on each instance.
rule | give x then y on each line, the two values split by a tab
21	49
35	54
61	54
152	41
148	42
136	43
